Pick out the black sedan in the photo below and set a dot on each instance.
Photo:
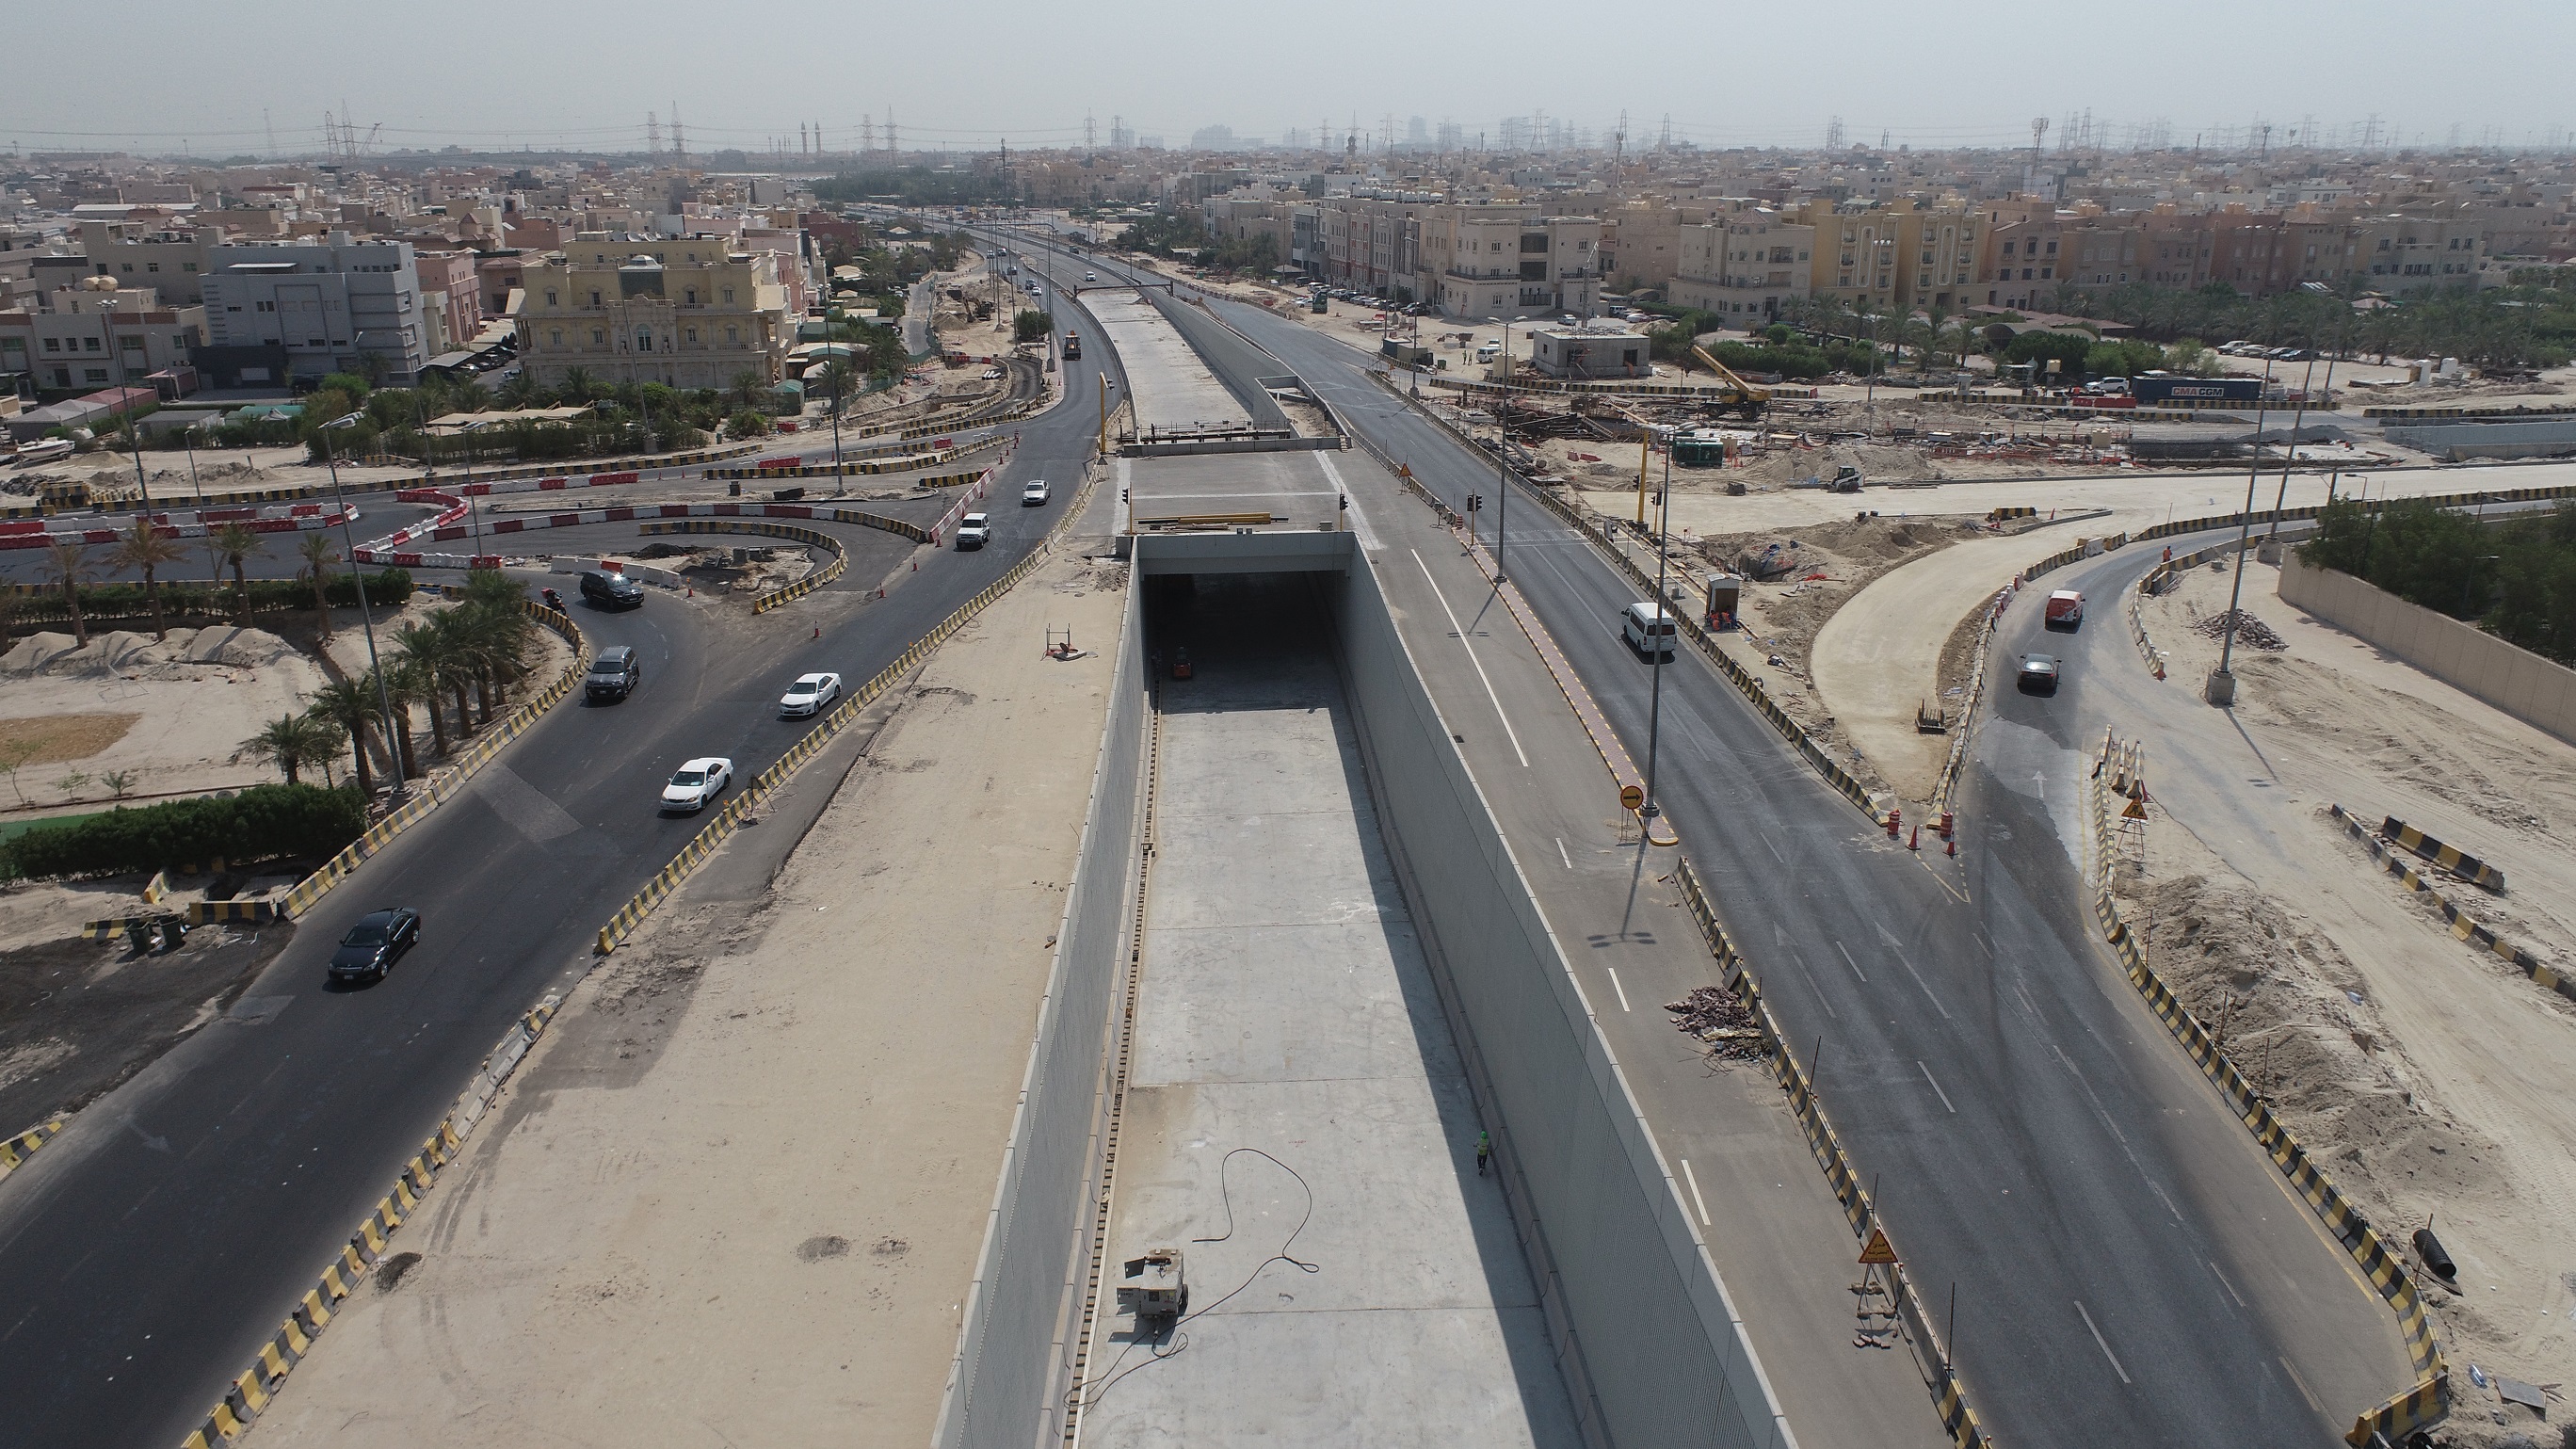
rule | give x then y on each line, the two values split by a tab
372	945
2038	674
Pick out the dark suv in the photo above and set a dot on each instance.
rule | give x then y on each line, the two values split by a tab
612	591
614	674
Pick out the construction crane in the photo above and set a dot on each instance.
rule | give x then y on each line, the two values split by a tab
1737	393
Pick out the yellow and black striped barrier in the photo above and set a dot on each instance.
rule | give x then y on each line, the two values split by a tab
15	1150
868	467
814	537
2449	857
119	927
335	870
254	1387
622	925
208	913
2463	926
2385	1271
2421	1407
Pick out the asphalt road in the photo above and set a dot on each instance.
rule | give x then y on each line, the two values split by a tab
158	1242
2130	1269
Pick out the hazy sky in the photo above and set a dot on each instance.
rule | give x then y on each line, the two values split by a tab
583	73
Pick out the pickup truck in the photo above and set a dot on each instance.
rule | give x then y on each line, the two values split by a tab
2065	611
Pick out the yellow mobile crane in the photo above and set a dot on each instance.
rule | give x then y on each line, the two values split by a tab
1737	393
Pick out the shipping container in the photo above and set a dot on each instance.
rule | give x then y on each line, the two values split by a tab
2153	390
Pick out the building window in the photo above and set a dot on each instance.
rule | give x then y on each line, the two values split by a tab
599	337
690	336
728	296
554	337
733	334
689	296
89	344
594	299
95	374
151	266
53	344
550	297
130	344
187	266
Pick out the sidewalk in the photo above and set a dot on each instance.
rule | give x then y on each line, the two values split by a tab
736	1194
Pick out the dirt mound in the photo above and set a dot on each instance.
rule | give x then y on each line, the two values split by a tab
136	655
2250	631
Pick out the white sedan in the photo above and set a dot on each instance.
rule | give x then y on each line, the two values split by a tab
698	781
809	693
1034	494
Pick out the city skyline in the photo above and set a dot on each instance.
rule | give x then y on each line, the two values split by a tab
2339	76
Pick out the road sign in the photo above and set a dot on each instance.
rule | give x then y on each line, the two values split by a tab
1630	797
1877	1249
2137	810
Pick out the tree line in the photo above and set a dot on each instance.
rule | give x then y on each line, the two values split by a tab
2516	579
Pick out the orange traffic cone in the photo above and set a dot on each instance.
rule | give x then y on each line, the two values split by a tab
1915	840
1951	849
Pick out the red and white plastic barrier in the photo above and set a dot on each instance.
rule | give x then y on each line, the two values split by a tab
297	522
972	494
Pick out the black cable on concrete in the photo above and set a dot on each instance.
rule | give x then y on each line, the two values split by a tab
1180	1340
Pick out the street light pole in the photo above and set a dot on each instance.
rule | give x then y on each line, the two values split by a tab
1503	456
1663	617
2221	689
366	619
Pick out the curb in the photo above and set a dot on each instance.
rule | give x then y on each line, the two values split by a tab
255	1386
775	597
2428	1401
18	1149
435	792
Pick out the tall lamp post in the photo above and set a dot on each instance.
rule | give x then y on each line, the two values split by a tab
1663	619
1503	453
366	620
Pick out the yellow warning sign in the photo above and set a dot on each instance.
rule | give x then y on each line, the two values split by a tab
1876	1250
1404	470
2137	811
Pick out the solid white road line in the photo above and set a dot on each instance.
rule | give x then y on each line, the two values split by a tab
1936	1086
1848	961
1561	855
1461	631
1615	986
2105	1343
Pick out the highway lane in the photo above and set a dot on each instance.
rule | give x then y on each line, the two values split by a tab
158	1242
2130	1267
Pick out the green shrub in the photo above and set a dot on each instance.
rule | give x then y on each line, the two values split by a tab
264	822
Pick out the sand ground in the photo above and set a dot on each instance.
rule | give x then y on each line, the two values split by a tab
736	1196
2428	1076
193	701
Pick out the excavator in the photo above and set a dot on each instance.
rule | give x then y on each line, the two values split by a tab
1737	393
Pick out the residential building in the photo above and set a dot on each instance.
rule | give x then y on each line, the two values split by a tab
1896	257
451	293
1743	266
1507	260
336	305
94	337
688	312
171	263
1591	352
2404	253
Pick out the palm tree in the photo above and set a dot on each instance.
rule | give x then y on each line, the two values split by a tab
70	563
235	542
349	705
319	554
522	391
292	741
578	385
747	386
838	376
420	651
145	548
402	685
468	396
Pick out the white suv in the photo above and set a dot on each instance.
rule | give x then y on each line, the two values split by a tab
974	531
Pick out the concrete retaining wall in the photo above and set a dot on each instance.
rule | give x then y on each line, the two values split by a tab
1652	1349
2513	679
1014	1343
2461	441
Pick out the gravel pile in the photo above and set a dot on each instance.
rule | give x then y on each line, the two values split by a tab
2251	632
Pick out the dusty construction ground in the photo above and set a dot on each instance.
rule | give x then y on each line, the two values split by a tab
737	1193
2427	1075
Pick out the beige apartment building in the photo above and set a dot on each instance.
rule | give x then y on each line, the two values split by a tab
1897	257
689	312
1743	266
1509	261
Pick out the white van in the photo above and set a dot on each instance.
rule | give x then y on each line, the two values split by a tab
1648	629
1487	352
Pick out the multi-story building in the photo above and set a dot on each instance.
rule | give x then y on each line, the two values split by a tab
688	312
95	336
2404	253
1743	266
451	292
171	263
1896	257
336	305
1508	261
2022	270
